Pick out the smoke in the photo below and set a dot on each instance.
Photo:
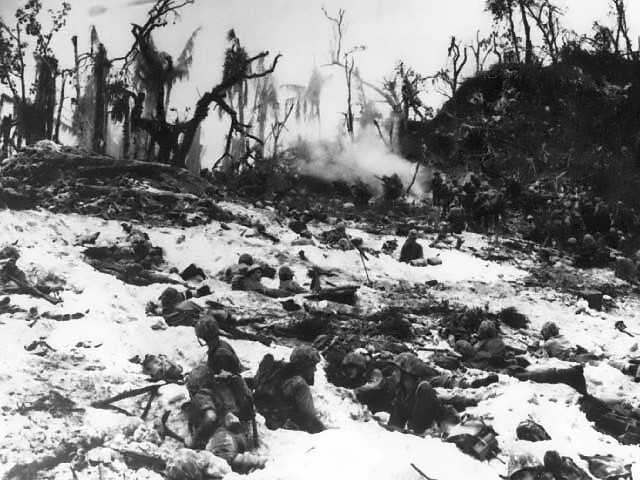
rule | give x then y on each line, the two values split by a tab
366	158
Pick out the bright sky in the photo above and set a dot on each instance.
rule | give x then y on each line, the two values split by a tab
415	31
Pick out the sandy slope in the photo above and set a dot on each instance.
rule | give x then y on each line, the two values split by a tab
116	328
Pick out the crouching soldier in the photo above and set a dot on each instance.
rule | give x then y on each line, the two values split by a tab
282	392
416	404
222	417
411	250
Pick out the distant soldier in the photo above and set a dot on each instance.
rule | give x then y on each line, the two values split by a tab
287	283
411	250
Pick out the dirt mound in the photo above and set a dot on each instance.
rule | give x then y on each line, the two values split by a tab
66	179
579	116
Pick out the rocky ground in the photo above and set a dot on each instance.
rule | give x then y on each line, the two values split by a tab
63	356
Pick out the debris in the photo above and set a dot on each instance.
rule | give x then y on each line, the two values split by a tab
512	317
53	403
421	473
193	272
531	431
593	297
10	272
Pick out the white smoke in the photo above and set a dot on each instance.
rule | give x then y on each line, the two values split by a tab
365	158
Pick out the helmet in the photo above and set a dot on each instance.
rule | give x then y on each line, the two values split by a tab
200	377
552	460
285	273
549	330
487	329
246	259
207	328
409	363
355	360
170	297
588	240
304	355
465	349
522	463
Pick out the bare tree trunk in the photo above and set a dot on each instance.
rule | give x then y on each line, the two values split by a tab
528	53
56	135
512	30
100	71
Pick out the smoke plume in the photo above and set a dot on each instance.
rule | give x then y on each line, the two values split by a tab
366	158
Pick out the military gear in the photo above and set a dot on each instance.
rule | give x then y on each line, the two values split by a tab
161	368
207	329
285	273
355	359
549	330
169	298
563	467
465	349
245	259
524	467
411	250
409	363
284	398
487	329
531	431
607	467
475	438
304	355
221	357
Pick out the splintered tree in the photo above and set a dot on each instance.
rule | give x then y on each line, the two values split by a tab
404	89
173	139
33	106
502	13
619	11
547	18
450	75
344	58
481	48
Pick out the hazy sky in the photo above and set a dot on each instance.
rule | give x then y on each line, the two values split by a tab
415	31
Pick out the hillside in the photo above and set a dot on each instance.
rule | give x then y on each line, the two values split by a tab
62	357
579	117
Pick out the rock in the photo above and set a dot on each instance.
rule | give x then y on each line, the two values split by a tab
531	431
593	297
100	455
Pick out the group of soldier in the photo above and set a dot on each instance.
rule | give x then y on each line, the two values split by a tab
570	218
223	403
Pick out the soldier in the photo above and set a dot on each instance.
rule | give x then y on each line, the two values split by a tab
411	250
282	392
287	283
216	400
